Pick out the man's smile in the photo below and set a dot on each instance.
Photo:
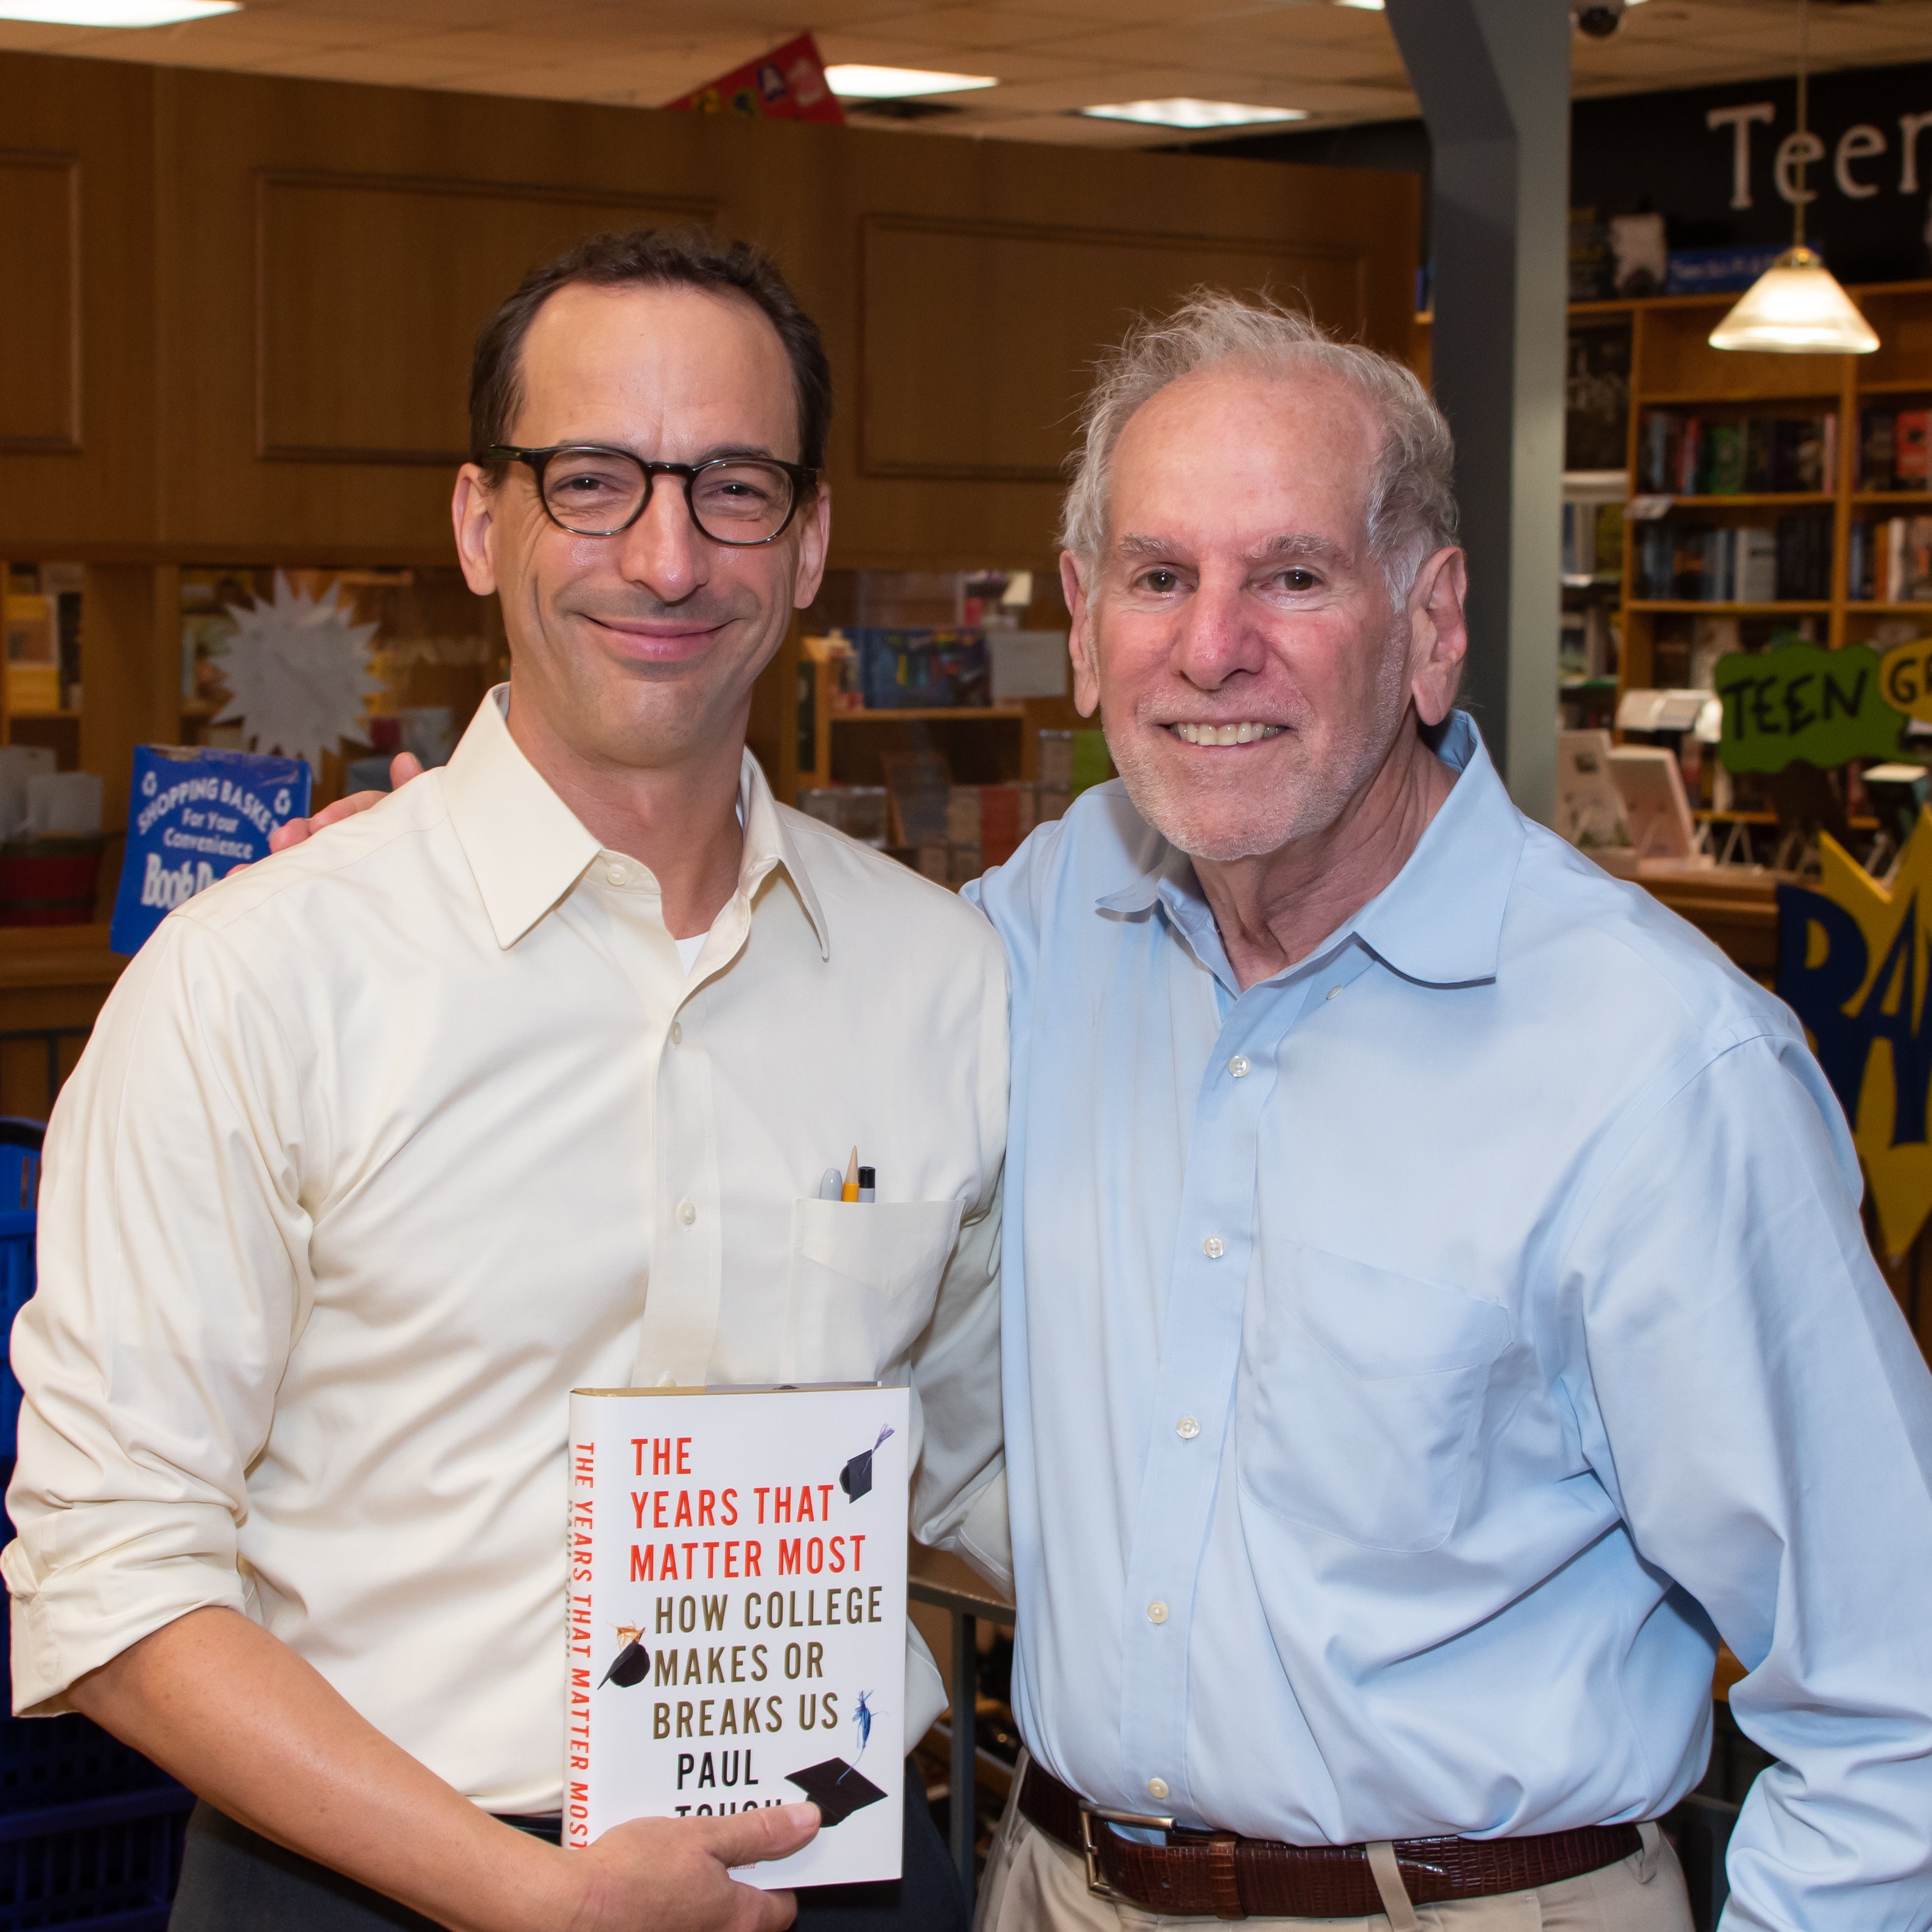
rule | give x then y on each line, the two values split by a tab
1246	732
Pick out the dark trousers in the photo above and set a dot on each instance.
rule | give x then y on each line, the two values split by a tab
235	1881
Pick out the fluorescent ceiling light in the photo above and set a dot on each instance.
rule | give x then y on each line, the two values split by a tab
114	13
857	81
1367	6
1189	113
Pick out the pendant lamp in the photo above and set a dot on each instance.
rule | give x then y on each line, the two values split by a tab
1796	307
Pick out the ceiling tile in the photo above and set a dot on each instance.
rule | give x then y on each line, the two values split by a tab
1339	63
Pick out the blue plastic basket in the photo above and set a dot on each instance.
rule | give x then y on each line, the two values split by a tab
47	1763
110	1864
91	1832
18	1275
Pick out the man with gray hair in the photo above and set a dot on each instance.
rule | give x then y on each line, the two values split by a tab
1436	1309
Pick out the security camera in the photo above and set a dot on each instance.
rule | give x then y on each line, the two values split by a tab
1599	19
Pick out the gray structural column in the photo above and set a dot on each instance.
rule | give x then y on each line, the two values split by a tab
1493	79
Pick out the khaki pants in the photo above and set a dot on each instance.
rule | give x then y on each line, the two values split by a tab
1034	1885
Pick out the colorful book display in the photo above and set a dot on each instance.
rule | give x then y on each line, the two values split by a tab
1684	455
193	817
737	1616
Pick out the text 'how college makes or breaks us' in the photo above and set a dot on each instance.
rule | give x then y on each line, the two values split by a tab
760	1657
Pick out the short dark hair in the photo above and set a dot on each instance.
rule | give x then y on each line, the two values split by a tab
649	258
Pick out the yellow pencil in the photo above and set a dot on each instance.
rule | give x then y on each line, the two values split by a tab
850	1192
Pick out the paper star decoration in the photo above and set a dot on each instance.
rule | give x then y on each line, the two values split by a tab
298	670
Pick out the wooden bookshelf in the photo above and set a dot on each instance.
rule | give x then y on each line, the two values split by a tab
984	744
1673	367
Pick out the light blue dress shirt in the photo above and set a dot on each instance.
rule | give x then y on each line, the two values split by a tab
1413	1362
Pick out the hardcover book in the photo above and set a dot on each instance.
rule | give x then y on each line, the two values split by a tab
737	1616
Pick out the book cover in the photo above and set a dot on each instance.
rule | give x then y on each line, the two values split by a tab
1909	469
737	1616
1689	453
1725	475
1879	427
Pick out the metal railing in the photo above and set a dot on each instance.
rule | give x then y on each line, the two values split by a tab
967	1608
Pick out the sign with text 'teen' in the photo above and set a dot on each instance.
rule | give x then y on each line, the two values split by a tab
1800	704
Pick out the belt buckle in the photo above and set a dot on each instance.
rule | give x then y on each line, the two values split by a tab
1097	1886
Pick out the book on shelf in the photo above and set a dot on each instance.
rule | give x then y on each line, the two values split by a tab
1749	563
1892	448
736	1609
1889	561
1686	455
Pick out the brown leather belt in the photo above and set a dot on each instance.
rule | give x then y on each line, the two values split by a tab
1215	1874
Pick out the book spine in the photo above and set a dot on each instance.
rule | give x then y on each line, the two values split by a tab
579	1622
1877	451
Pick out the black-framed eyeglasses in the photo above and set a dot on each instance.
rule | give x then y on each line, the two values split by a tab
592	491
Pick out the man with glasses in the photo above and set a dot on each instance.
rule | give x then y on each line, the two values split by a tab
524	1081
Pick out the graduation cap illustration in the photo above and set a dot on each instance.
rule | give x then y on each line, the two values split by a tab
837	1788
632	1664
855	1478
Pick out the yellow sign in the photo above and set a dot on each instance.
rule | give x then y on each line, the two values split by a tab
1853	962
1905	678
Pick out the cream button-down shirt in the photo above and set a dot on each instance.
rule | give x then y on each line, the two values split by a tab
382	1147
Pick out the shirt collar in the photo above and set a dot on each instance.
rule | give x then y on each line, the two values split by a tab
1438	922
526	849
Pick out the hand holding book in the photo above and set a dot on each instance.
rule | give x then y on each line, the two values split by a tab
674	1874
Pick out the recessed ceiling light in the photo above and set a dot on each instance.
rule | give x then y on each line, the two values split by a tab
1189	113
114	13
857	81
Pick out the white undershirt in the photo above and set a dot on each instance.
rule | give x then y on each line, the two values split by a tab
688	950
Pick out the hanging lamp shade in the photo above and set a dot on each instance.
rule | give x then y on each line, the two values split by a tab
1796	307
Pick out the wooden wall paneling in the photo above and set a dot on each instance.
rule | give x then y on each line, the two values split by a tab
77	456
336	248
39	321
984	383
132	647
321	318
350	268
813	203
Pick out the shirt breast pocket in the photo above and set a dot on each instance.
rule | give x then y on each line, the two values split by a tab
1362	1398
865	1276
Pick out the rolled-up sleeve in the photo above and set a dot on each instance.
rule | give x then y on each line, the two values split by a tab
173	1280
1756	1402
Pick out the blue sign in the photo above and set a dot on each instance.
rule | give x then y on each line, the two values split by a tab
195	816
1711	271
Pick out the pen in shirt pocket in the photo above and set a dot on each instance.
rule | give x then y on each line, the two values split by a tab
856	1184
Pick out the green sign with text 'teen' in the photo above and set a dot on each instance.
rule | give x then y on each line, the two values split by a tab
1802	703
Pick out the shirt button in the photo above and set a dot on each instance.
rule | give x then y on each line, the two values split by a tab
1187	1429
1157	1787
686	1213
1156	1612
1213	1247
1333	990
616	875
1238	1066
676	1034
